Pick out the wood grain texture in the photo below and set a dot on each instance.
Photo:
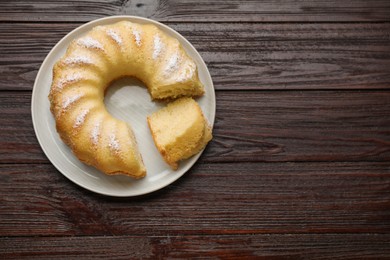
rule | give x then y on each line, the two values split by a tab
239	56
211	199
306	246
301	126
198	11
253	126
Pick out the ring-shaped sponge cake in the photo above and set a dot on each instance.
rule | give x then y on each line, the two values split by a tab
88	67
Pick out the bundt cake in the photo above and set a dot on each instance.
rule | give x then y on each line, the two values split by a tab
179	130
90	64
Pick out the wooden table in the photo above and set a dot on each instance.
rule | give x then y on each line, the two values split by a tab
300	161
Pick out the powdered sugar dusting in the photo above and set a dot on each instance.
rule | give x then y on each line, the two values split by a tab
187	72
78	60
114	143
80	118
172	65
158	45
137	37
95	133
89	42
69	100
114	36
68	79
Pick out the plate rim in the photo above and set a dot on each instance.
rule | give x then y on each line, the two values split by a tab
112	19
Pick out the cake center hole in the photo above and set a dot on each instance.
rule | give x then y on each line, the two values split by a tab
128	99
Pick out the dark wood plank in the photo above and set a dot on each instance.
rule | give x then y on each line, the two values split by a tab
253	126
241	198
239	56
204	11
310	246
18	136
301	126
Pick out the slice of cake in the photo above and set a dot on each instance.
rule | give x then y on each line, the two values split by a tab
179	130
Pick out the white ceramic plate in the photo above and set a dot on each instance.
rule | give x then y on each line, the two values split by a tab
125	100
